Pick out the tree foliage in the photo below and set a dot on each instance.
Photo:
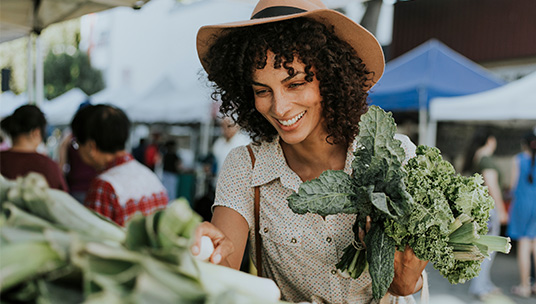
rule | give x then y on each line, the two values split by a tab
64	72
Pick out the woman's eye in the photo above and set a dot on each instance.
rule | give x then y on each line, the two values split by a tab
296	84
261	92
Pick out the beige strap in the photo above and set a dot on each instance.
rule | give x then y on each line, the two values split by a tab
425	291
258	241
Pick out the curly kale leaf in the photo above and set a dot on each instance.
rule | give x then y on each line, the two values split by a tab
473	198
440	195
331	193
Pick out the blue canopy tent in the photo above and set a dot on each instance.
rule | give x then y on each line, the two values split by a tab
428	71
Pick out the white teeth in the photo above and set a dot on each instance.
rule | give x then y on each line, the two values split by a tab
291	121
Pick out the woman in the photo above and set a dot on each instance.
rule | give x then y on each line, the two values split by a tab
295	77
479	159
26	127
522	227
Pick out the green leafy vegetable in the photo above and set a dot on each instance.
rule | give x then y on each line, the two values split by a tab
86	258
425	204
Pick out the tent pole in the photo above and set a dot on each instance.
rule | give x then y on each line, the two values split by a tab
30	79
423	115
432	133
39	72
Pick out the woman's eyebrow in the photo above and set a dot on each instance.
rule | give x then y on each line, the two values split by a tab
258	84
282	81
291	76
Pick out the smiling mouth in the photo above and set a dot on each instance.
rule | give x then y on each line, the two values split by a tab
292	121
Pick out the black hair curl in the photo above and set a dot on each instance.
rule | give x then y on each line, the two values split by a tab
343	77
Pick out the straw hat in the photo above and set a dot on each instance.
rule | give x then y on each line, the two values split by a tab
266	11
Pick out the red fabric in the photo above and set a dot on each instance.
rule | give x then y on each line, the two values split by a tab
102	198
15	164
151	156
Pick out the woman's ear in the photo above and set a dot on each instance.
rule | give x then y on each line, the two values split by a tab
92	146
36	134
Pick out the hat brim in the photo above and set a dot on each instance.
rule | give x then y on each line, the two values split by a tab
361	40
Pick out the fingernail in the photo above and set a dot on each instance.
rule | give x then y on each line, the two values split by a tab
217	259
195	250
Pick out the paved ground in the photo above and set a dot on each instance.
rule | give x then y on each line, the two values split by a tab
504	275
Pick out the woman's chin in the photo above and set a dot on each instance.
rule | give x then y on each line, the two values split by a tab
291	139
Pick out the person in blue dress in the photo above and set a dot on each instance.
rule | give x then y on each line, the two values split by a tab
522	226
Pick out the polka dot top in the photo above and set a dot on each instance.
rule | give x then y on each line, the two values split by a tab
299	251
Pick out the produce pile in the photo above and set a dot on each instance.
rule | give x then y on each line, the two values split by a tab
425	204
54	250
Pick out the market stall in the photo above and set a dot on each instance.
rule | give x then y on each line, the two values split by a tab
514	101
430	70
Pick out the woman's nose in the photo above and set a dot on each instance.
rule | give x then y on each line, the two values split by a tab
281	104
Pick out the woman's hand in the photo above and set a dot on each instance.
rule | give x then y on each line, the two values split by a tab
408	270
223	247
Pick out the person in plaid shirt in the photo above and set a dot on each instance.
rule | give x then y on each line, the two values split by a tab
124	186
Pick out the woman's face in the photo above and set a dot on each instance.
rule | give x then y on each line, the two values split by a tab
290	103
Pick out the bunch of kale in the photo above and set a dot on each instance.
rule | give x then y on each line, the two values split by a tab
441	215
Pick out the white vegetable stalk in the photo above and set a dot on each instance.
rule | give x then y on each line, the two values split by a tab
206	249
217	279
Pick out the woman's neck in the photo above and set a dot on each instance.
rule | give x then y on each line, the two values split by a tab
310	159
24	144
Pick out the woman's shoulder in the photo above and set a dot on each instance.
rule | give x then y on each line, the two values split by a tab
487	162
26	156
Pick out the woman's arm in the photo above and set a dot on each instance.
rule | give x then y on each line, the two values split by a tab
228	232
491	179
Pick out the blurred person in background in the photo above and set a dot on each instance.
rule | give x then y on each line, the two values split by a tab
171	166
479	159
139	151
77	173
230	138
152	156
522	225
123	187
26	128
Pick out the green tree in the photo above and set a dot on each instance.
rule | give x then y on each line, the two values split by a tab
64	72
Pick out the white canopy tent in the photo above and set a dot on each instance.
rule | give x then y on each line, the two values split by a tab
120	97
513	101
9	102
170	102
60	110
19	18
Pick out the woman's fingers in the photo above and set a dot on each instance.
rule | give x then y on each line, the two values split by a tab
361	233
408	269
223	247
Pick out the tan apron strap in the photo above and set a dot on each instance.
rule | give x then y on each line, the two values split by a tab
258	241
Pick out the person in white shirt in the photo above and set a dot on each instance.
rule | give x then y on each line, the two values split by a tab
231	138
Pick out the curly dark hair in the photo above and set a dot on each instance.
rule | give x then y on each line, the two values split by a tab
343	77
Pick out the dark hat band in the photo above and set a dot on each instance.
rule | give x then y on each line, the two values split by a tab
276	11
